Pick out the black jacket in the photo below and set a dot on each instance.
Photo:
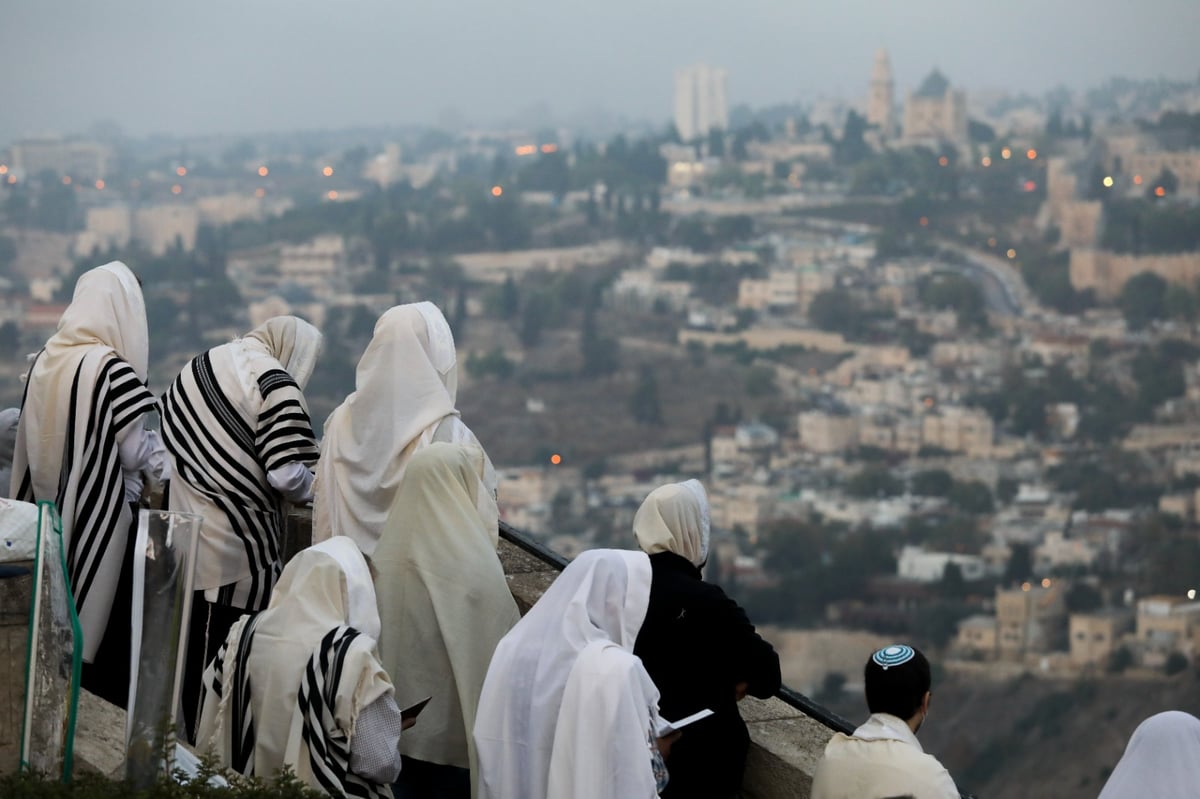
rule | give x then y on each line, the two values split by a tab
697	645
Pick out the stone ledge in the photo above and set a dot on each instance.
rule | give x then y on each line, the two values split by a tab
99	737
783	756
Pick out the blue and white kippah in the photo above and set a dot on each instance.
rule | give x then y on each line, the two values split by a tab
894	655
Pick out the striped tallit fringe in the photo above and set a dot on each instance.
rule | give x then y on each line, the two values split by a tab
328	745
242	718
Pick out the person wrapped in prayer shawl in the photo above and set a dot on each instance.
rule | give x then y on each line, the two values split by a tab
9	418
1161	761
884	758
698	646
300	684
445	604
82	444
236	424
405	388
567	709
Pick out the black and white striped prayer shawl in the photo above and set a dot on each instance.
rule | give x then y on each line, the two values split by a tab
97	518
241	725
328	745
225	457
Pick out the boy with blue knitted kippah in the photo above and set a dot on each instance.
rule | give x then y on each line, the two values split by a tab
884	758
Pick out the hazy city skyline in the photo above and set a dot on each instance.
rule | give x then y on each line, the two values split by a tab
269	66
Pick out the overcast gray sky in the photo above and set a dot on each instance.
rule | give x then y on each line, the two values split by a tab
205	66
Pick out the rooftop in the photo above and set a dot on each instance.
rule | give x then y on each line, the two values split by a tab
934	86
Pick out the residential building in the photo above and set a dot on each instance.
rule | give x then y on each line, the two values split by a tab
915	563
79	160
700	101
1057	552
1166	624
959	429
160	228
977	635
1095	636
826	433
1030	619
316	265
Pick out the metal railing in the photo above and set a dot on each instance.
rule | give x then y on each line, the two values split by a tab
814	710
795	699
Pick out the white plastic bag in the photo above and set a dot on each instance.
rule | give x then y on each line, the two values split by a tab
18	530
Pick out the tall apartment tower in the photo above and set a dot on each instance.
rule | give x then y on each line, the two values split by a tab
880	107
700	101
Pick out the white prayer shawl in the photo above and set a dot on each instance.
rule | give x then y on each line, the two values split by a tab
85	393
405	389
539	721
675	518
443	598
234	414
1161	761
253	719
883	758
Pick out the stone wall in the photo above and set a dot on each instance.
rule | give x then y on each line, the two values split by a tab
1106	273
15	595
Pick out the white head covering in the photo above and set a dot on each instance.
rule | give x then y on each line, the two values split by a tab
1161	761
107	315
674	518
291	341
404	387
443	597
322	588
533	725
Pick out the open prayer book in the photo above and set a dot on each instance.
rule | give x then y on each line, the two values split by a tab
665	727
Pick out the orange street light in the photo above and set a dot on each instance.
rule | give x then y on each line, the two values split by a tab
497	191
177	189
99	185
327	171
556	459
1031	154
333	195
263	171
181	171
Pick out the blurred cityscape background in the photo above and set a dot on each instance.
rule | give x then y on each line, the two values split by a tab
914	288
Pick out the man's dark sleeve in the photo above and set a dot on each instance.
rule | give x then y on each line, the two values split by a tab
750	659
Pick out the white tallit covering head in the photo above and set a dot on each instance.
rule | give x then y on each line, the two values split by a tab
443	598
675	518
541	686
1161	761
291	341
322	588
107	315
405	385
